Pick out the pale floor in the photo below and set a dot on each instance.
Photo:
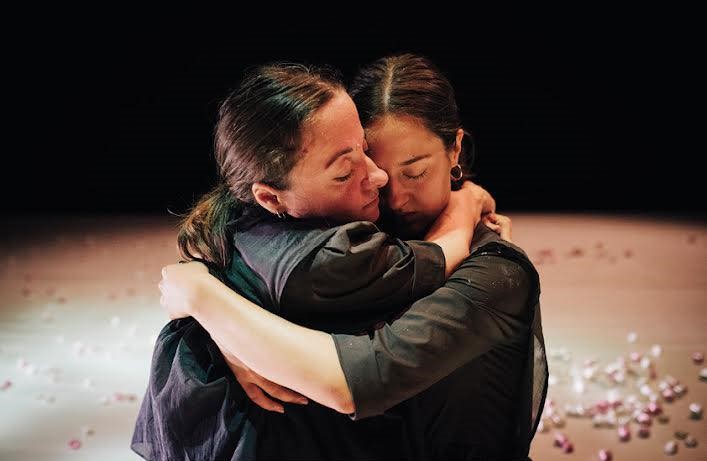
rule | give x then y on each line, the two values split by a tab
79	313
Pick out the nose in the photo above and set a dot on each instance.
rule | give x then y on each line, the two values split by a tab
376	177
395	196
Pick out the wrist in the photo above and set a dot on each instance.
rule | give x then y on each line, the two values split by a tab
201	294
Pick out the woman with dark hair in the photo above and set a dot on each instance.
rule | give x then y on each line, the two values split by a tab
290	228
469	358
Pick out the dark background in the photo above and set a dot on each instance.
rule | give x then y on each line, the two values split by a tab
116	114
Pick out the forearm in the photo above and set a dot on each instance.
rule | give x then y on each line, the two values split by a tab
299	358
454	227
454	239
438	334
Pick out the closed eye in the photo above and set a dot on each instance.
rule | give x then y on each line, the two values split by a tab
416	177
344	178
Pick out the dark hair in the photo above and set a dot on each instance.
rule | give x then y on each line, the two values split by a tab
257	138
412	85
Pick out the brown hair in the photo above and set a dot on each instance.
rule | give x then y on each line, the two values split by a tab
257	138
412	85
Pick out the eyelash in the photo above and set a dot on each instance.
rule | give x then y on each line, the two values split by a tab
416	178
348	176
344	178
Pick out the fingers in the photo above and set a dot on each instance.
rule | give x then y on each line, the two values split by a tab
490	219
282	393
260	399
500	224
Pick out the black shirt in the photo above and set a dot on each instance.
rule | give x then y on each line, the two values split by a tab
471	355
340	279
343	280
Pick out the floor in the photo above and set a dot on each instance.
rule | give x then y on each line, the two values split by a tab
80	311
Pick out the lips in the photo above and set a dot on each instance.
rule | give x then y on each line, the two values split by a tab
372	202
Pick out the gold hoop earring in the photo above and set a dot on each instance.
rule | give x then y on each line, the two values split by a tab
456	173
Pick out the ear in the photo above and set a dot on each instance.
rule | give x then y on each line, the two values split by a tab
457	147
268	198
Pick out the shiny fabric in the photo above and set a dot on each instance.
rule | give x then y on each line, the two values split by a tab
471	355
194	409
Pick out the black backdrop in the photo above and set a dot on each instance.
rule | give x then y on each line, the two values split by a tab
117	116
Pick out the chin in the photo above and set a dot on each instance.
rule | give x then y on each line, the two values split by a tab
373	215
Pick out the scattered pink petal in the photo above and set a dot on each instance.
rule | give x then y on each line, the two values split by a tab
74	444
560	439
668	395
6	385
670	448
644	419
567	447
624	433
602	406
698	358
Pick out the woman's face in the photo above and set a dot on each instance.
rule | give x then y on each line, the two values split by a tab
334	178
418	167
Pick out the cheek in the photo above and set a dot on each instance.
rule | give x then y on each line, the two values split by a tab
332	202
434	193
306	199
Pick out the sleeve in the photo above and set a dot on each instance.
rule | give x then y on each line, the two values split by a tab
361	268
483	304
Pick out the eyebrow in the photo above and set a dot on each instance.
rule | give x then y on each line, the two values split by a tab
414	159
333	158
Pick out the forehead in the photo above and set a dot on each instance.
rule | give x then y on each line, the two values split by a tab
401	135
335	125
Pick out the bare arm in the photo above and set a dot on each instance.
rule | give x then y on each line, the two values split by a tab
454	228
307	359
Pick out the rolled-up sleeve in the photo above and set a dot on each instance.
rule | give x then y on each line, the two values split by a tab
483	304
361	268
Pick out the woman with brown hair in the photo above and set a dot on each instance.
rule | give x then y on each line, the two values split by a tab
290	228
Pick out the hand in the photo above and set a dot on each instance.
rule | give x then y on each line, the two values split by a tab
479	196
500	224
180	287
466	206
255	386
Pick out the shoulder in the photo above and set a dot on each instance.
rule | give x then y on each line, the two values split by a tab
499	277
